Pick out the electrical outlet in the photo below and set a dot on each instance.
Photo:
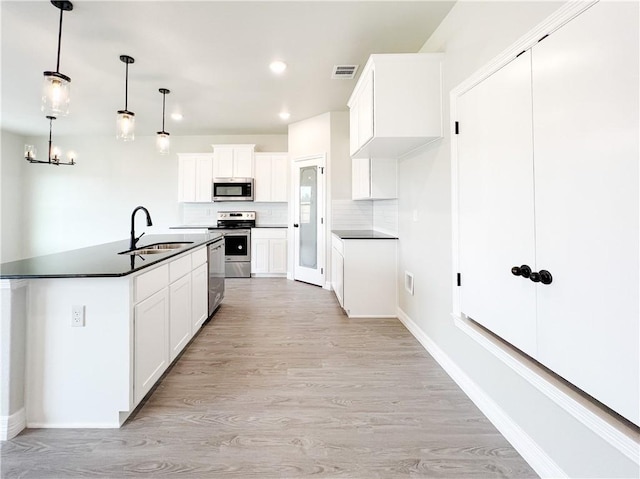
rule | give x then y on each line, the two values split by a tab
77	316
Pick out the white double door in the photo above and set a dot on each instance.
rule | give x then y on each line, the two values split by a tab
309	234
548	178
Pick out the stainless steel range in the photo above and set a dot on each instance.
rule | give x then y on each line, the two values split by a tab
236	228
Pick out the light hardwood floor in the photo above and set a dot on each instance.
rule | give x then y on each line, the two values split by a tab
281	384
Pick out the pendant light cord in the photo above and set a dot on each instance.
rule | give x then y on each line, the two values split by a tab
59	41
126	85
164	96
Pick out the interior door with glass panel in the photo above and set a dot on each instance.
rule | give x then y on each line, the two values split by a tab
308	220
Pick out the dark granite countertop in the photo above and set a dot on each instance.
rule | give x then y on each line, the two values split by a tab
214	227
362	234
101	260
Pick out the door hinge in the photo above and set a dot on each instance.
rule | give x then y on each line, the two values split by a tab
322	170
321	221
457	128
459	279
321	270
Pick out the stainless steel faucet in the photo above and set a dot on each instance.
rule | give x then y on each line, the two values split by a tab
134	240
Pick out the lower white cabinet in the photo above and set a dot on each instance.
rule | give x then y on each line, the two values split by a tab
199	297
170	306
364	276
179	315
151	332
269	252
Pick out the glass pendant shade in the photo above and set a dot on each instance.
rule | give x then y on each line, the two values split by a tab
163	143
126	122
55	94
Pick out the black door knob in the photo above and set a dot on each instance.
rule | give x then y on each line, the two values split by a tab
523	271
535	277
545	277
295	225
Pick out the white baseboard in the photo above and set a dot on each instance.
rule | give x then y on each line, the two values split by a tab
535	456
11	426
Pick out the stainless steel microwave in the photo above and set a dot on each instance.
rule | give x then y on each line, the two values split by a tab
233	189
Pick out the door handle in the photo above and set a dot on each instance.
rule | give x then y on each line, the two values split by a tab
543	277
524	271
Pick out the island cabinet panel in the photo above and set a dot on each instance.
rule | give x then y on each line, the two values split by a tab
180	318
199	297
548	168
151	320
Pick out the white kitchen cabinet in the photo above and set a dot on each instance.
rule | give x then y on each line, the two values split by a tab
374	178
548	177
195	177
233	161
199	297
271	173
151	336
269	252
367	286
180	317
396	105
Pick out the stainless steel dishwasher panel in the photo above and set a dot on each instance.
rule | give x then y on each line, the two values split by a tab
216	274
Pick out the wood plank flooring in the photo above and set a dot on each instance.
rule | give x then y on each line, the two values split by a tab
281	384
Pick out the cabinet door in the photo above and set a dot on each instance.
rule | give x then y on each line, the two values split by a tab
186	179
279	178
585	111
263	183
243	162
222	162
337	267
151	355
366	107
360	178
179	315
203	179
277	256
495	194
353	127
260	256
199	297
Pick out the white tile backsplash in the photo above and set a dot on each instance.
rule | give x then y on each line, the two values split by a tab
351	215
385	216
267	214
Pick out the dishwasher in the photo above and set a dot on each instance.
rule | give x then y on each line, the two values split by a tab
215	252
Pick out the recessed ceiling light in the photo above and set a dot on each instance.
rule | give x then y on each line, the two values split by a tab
278	66
176	116
284	115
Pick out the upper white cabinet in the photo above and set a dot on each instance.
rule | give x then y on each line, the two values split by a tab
374	178
396	105
195	177
271	171
548	215
233	161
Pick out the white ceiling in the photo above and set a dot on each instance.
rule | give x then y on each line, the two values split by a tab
212	55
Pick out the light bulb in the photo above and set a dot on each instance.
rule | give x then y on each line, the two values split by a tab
125	123
162	142
55	94
278	66
71	156
30	152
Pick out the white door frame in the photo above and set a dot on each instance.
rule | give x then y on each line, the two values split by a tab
320	160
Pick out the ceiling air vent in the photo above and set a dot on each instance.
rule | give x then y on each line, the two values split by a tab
344	72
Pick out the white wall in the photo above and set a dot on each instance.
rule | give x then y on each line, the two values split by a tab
470	36
12	171
67	207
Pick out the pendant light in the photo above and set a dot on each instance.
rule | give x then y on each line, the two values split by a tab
55	88
162	141
126	120
54	152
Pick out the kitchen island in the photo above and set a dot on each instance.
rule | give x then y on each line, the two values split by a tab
87	333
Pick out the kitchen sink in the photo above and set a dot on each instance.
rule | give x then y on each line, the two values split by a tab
157	248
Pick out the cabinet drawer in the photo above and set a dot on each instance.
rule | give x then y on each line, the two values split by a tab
337	244
148	283
198	257
269	233
179	267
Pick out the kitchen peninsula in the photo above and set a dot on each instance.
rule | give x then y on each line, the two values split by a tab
87	333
